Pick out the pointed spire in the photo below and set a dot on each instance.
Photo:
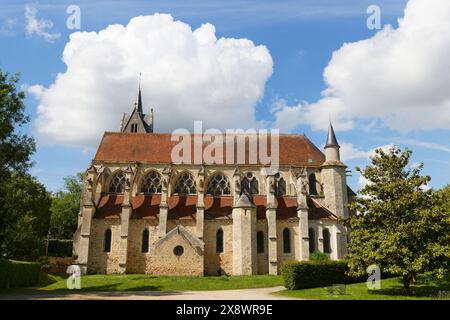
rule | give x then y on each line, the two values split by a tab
139	102
331	138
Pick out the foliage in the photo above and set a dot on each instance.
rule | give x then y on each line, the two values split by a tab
65	207
60	248
15	149
19	273
318	256
399	224
307	274
27	204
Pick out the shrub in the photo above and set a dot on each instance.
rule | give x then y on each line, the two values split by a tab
60	248
318	256
309	274
19	273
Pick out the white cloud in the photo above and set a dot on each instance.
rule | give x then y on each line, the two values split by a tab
39	26
186	75
7	27
397	76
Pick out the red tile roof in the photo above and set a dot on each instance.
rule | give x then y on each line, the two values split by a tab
296	150
147	206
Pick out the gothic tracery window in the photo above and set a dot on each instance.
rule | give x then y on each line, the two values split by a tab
249	184
152	183
117	183
219	185
280	186
185	184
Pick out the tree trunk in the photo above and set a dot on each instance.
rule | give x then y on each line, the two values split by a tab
407	283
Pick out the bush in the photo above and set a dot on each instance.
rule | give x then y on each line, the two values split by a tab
60	248
309	274
318	256
19	273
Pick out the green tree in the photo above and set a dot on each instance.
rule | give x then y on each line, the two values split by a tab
398	224
26	204
16	149
65	207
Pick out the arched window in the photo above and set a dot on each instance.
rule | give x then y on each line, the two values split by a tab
326	241
218	185
117	183
107	243
280	186
219	241
145	241
249	184
312	184
260	242
185	184
152	183
286	241
134	127
312	240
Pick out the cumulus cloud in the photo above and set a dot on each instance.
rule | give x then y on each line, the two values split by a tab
38	26
398	76
186	75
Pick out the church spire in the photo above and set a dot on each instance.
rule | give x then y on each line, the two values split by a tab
139	102
331	138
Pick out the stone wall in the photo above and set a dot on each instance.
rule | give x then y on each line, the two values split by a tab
292	225
100	261
218	261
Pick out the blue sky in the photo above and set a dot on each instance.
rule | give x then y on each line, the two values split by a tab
300	36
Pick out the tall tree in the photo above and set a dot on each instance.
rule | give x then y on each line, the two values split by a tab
15	147
65	207
400	225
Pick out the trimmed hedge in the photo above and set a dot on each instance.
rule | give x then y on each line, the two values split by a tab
307	274
19	273
60	248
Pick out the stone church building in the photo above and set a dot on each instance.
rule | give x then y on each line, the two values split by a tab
142	213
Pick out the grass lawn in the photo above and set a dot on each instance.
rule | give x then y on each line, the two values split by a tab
141	282
427	287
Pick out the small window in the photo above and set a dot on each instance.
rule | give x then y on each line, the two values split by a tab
145	241
107	243
178	251
312	240
260	242
326	241
312	184
134	127
219	241
286	241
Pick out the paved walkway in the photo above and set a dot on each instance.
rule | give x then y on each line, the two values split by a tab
241	294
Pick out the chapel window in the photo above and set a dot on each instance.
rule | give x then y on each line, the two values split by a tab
286	241
219	241
117	183
260	242
312	240
249	184
107	242
312	184
326	241
152	183
185	184
145	241
219	185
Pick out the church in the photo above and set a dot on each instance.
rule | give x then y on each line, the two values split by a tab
143	213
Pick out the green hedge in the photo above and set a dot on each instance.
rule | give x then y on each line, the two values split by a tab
19	273
306	274
60	248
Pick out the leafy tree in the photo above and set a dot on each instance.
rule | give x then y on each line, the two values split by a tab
26	204
399	225
15	151
65	207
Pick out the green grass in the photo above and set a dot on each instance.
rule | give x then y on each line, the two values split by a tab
140	282
426	287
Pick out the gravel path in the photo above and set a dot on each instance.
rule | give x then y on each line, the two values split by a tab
241	294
